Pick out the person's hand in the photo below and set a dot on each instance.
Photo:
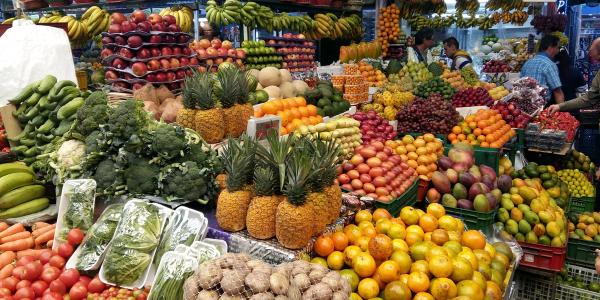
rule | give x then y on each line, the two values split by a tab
552	109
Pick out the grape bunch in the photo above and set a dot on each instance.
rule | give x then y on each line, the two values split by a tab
548	24
435	86
432	114
472	97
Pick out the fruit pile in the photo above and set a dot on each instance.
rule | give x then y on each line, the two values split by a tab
356	52
377	172
388	29
374	77
417	72
505	166
560	121
549	180
343	130
432	114
420	254
515	117
585	226
420	153
577	281
498	92
454	79
329	101
294	112
460	183
214	52
580	161
496	66
260	56
435	85
390	101
485	128
92	22
145	49
298	53
470	76
373	127
472	97
184	16
579	185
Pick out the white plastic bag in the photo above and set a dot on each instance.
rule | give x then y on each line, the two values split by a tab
28	52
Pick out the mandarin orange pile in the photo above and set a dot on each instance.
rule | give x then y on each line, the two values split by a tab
420	153
293	112
374	77
388	29
418	255
485	128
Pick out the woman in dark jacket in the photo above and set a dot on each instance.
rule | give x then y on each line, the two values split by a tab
570	77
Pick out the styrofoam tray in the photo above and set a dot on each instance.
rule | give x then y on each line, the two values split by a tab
67	188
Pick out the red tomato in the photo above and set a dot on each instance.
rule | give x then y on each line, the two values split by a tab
39	287
10	283
19	272
58	287
5	292
45	256
69	277
142	296
75	236
48	295
25	260
22	284
96	286
65	250
33	270
50	273
57	261
25	293
85	280
78	291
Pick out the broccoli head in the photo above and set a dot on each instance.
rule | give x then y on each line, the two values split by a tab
141	177
93	113
108	178
95	142
127	119
169	141
188	182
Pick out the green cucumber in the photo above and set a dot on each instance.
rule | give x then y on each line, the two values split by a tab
27	142
31	152
43	102
31	113
27	208
69	90
22	108
19	150
33	99
28	128
70	108
63	127
46	127
24	94
37	121
59	86
46	84
21	195
46	138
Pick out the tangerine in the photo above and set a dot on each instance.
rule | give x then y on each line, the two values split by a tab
323	246
440	266
409	215
473	239
397	290
440	237
423	296
412	238
437	210
462	269
403	261
388	271
350	253
364	265
335	260
380	247
363	215
381	213
428	222
340	241
418	282
443	288
398	244
420	266
368	288
470	289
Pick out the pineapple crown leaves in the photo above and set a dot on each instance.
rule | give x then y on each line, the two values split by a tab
227	86
298	171
275	154
204	91
191	89
264	181
238	161
326	157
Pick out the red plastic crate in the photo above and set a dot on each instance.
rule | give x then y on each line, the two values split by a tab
320	2
423	187
540	257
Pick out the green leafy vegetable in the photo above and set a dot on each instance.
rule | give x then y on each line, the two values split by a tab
79	212
98	237
181	229
172	273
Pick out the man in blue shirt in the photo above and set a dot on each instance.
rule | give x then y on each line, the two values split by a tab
543	69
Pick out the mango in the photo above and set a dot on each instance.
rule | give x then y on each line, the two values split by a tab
546	217
591	230
531	217
556	242
440	182
539	229
519	237
481	204
516	199
503	214
524	207
517	182
459	191
544	240
530	237
512	226
449	200
507	204
516	214
553	229
527	193
524	227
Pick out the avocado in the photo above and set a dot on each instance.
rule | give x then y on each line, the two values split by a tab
549	184
337	98
323	102
531	171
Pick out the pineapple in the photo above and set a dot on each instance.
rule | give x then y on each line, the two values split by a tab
186	115
327	154
260	219
245	108
294	213
232	89
233	202
208	120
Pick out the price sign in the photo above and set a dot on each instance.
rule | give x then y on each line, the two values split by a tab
259	127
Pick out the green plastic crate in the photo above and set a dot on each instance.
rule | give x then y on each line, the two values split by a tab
484	156
472	219
409	198
583	204
581	252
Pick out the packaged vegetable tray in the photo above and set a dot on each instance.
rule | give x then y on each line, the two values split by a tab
172	272
76	208
183	227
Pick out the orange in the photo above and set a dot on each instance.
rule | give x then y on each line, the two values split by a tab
473	239
258	112
420	266
324	246
340	241
312	110
397	290
303	111
353	233
388	271
369	232
278	104
423	296
268	108
300	101
364	265
380	247
363	215
368	288
335	260
381	213
284	119
470	289
456	130
290	102
462	269
440	237
403	261
363	243
440	266
350	253
443	288
436	210
295	113
418	282
428	222
409	215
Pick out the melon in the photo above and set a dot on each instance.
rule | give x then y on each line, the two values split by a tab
286	76
259	87
300	86
497	47
269	76
486	49
287	90
253	72
273	91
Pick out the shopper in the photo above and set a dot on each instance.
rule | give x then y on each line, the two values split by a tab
593	94
420	51
543	69
460	58
571	79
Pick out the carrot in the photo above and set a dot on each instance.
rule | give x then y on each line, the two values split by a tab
18	245
43	230
49	244
3	226
35	253
44	237
38	225
16	236
6	258
6	271
12	230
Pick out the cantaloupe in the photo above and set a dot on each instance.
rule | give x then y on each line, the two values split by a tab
273	91
269	76
253	72
287	90
286	76
300	87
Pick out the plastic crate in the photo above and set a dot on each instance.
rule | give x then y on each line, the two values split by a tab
484	156
581	252
567	292
583	204
472	219
423	187
545	258
409	198
530	287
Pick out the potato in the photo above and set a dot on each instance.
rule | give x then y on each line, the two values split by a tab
190	288
318	267
208	295
264	269
335	285
209	275
233	283
294	293
263	296
300	266
257	282
346	288
281	297
253	263
229	297
340	296
319	291
301	281
285	269
279	283
316	276
227	261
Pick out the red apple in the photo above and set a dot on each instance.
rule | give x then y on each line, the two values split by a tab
151	77
227	44
106	53
231	53
166	51
124	52
164	63
169	19
155	52
134	41
202	53
119	63
211	52
171	76
180	74
176	51
186	51
137	86
107	40
159	27
184	61
153	65
216	43
155	18
119	40
209	62
155	39
193	61
240	53
183	38
219	60
169	39
201	69
139	68
111	75
174	62
128	26
188	72
144	26
204	43
138	16
229	59
117	18
174	28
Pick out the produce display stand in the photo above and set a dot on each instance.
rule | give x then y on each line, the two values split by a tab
541	257
581	252
483	221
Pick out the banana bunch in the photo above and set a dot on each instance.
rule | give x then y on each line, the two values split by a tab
324	25
96	20
52	17
10	20
505	5
223	15
470	6
418	22
184	16
519	17
485	22
77	30
461	22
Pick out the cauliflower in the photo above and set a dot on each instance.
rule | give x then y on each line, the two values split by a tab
70	154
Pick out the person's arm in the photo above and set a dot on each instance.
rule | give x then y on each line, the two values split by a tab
461	62
554	84
586	100
559	96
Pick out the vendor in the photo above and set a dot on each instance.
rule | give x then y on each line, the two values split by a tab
543	69
593	94
420	51
460	58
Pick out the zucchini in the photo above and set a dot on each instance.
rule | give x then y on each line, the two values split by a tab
45	113
27	208
24	94
33	99
9	168
27	142
45	138
15	180
59	86
46	84
51	106
21	195
31	152
37	121
22	108
46	127
68	97
43	102
70	108
31	113
69	90
23	133
19	150
63	127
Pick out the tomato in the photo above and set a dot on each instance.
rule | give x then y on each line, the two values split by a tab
9	283
45	256
78	291
33	270
25	293
75	236
39	287
22	284
85	280
142	296
50	273
57	286
65	250
19	272
5	292
52	296
25	260
69	277
57	261
96	286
